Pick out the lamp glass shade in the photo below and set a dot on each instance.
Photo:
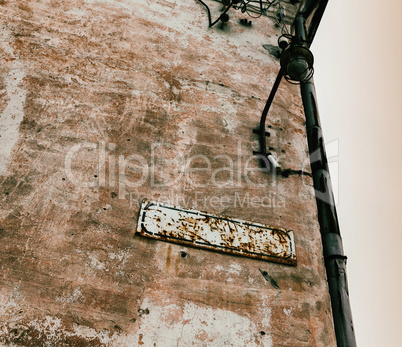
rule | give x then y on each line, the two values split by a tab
297	62
297	69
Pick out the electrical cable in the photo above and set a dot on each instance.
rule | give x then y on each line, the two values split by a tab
210	23
281	17
253	10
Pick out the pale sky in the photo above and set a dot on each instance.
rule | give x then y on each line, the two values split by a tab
358	74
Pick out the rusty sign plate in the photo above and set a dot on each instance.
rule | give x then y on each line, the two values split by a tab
199	229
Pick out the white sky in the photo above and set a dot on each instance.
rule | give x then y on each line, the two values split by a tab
357	73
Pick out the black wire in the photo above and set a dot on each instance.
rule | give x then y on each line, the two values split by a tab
227	9
209	12
255	9
210	23
260	10
253	16
246	6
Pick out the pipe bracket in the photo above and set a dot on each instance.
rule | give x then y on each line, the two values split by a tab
333	247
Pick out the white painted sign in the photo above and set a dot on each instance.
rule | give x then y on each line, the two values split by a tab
199	229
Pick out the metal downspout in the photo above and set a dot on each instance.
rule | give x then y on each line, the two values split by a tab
335	260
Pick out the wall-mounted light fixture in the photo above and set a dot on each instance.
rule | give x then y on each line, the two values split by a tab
297	63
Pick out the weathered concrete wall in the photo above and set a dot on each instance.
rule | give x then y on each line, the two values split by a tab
106	102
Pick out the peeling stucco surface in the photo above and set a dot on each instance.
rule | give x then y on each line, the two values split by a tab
104	103
170	324
13	114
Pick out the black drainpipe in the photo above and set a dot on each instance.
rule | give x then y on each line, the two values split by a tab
334	257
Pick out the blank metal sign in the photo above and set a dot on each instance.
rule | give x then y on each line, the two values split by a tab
204	230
